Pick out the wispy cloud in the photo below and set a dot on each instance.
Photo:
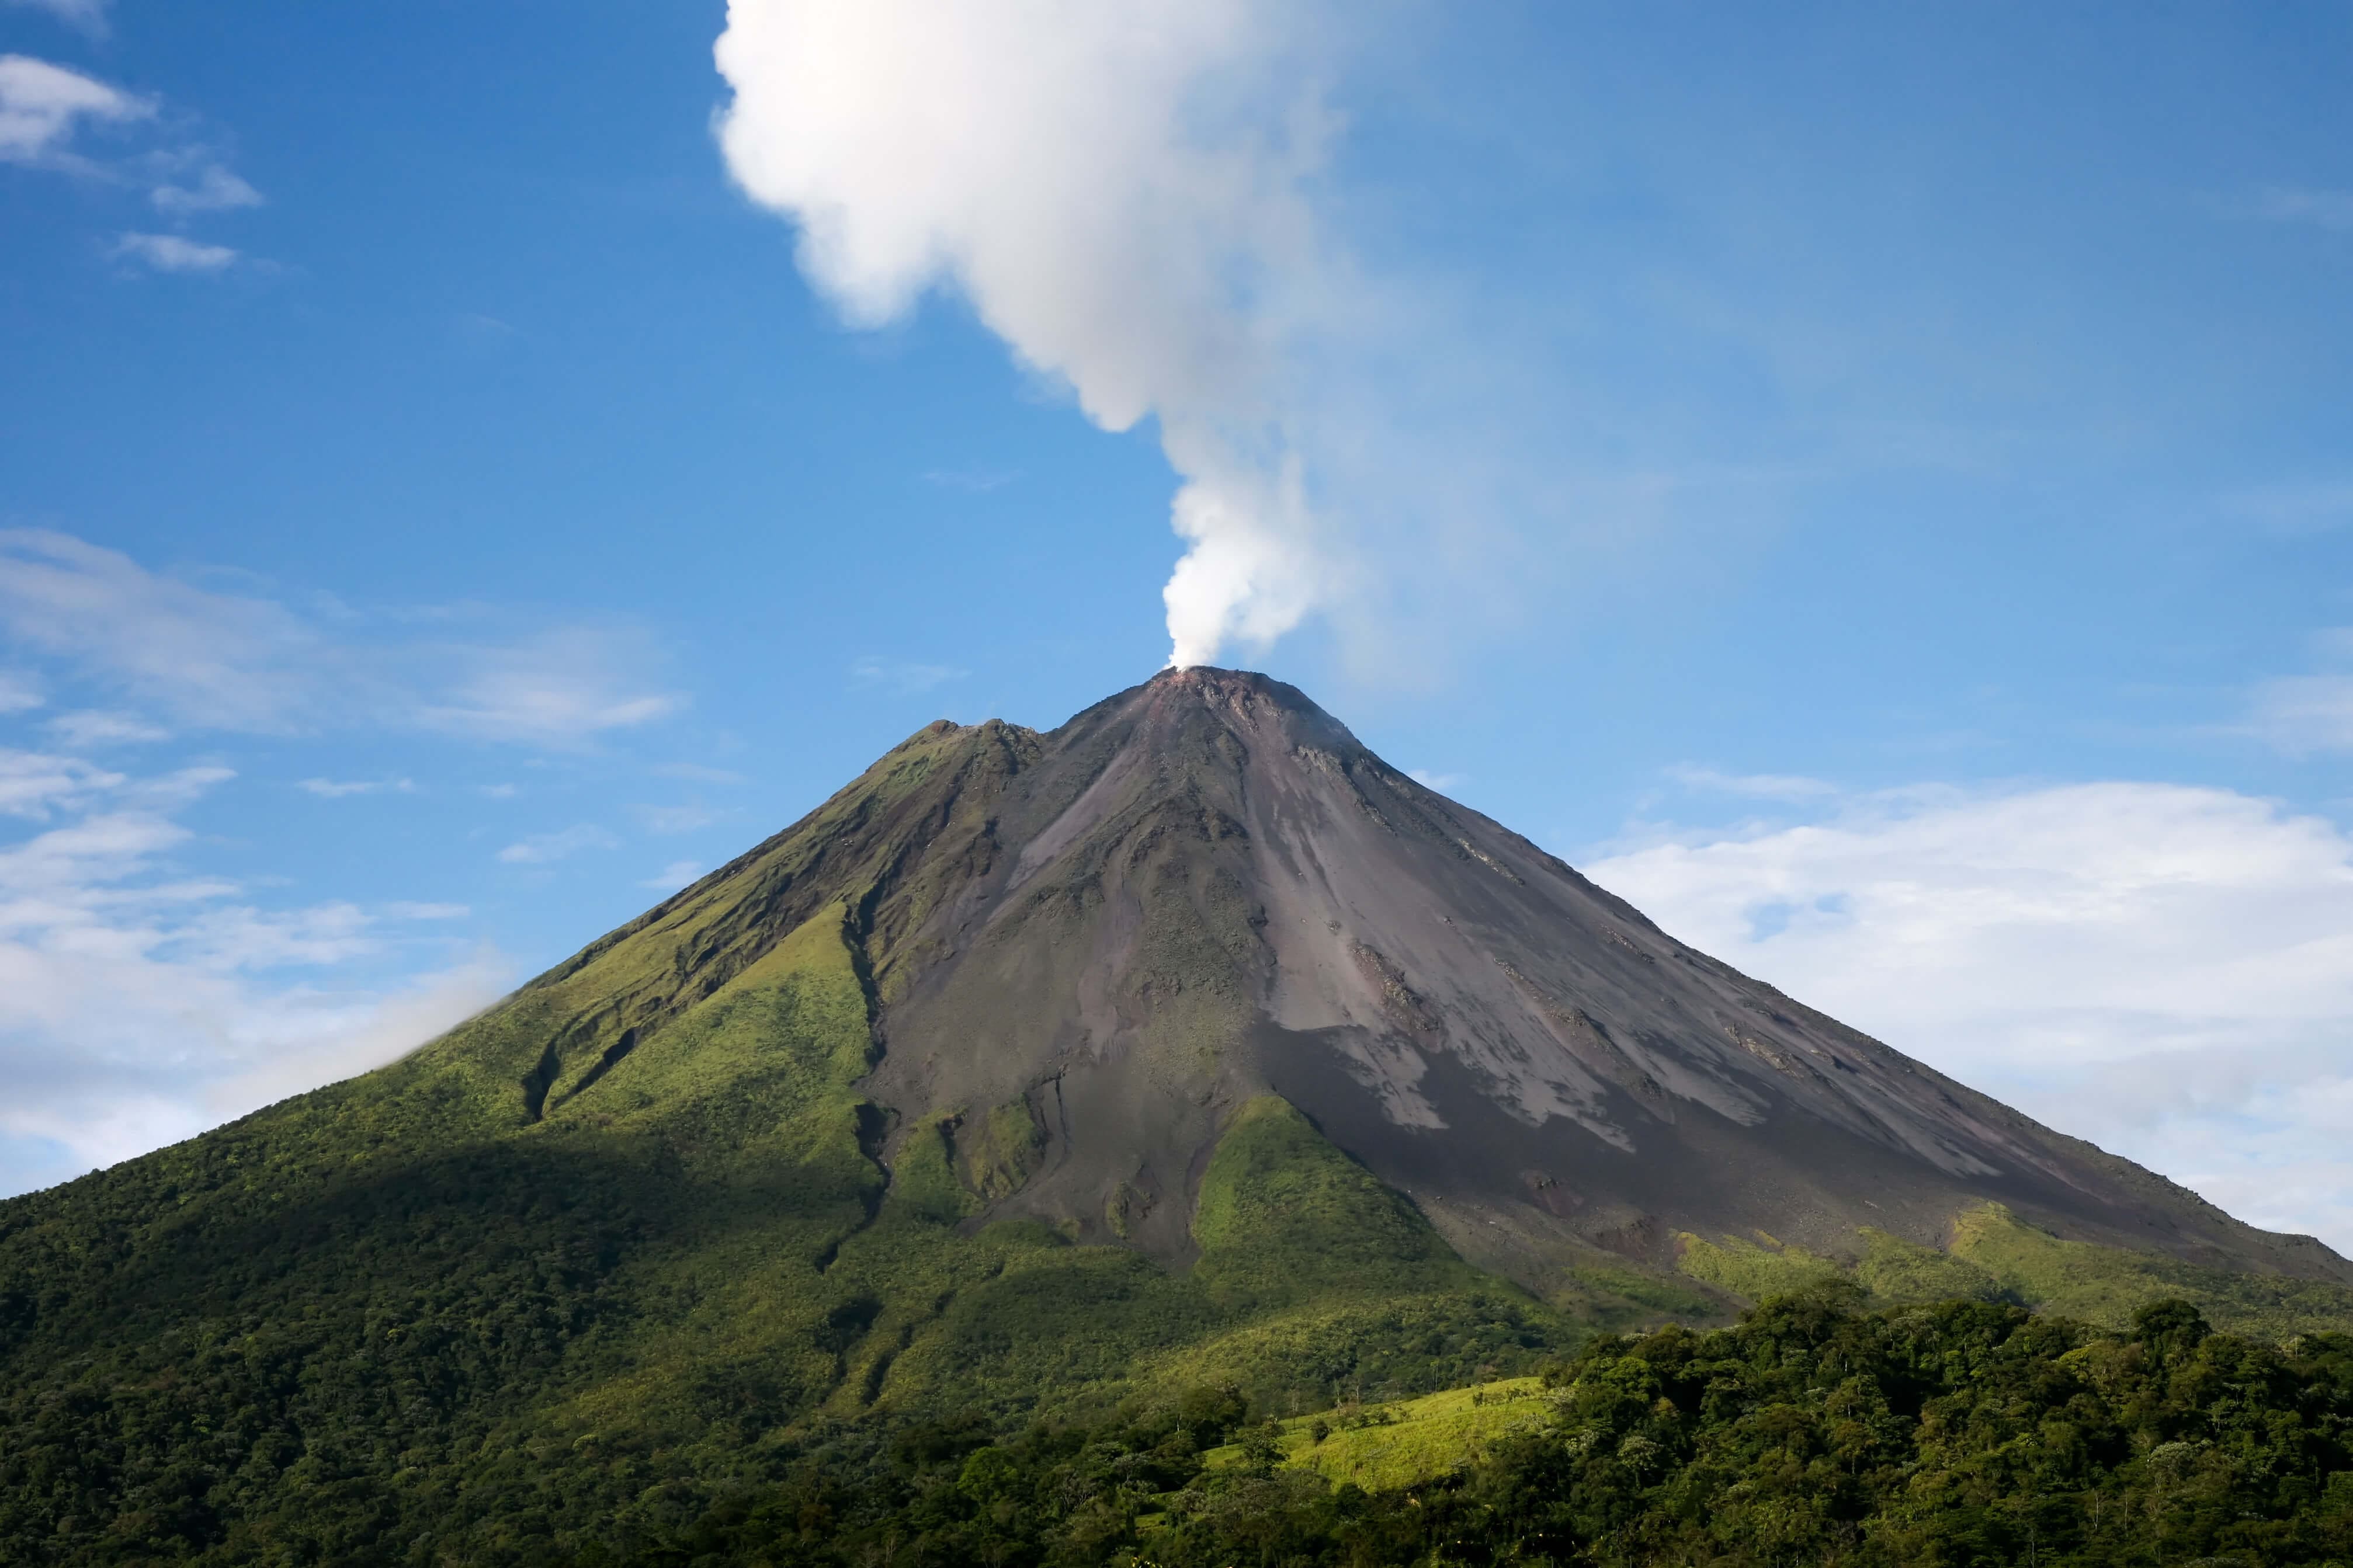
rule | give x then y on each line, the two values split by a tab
673	877
903	677
668	819
173	253
143	1002
205	659
2320	206
413	912
337	789
2158	967
2304	713
41	105
542	848
91	727
695	772
214	189
498	791
1752	786
45	109
561	688
39	785
214	660
1440	782
88	16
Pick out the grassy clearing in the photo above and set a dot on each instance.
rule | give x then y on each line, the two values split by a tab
1405	1443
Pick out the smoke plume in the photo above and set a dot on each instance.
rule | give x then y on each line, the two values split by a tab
1120	189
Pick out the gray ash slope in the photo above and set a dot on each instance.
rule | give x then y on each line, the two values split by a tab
1093	944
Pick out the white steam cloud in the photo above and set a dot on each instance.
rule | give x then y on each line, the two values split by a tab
1120	190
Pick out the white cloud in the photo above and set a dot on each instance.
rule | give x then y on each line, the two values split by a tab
2167	970
140	1004
541	849
1119	192
209	659
337	789
215	189
174	253
562	689
673	877
36	784
41	104
215	661
89	16
904	676
162	1053
143	997
1441	783
101	727
42	109
498	791
2324	208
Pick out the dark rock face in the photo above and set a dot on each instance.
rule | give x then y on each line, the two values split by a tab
1090	945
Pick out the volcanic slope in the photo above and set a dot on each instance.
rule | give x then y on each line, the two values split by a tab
1186	1044
1205	890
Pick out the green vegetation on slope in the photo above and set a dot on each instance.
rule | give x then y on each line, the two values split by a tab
2107	1284
1996	1257
1965	1436
1283	1214
1742	1268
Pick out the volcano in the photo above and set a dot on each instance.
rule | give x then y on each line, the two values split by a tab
1089	946
1187	1045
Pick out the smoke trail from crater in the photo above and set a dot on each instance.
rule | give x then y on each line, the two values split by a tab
1120	189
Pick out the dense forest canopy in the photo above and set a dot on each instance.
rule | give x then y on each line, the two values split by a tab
1960	1435
1968	1433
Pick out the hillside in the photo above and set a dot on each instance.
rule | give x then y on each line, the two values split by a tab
1186	1047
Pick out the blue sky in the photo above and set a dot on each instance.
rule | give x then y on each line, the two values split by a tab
1874	486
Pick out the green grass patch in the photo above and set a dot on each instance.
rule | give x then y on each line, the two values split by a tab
2105	1285
1898	1272
1384	1447
1996	1257
1283	1214
1748	1270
